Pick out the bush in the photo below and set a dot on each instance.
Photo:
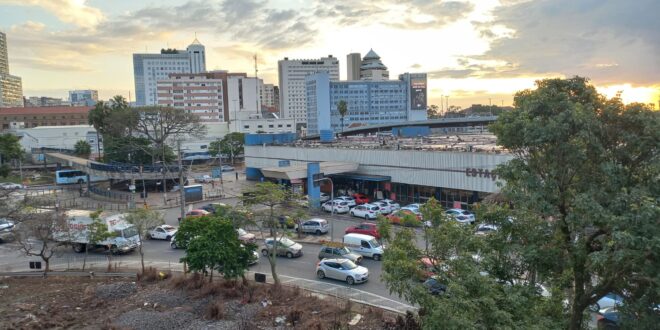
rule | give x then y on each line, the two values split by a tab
410	220
215	311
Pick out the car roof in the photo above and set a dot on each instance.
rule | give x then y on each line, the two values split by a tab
317	219
360	236
337	260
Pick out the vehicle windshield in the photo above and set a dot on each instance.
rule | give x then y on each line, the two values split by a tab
344	250
287	242
374	243
241	232
129	232
347	264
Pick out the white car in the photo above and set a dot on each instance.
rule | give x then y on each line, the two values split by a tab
9	185
367	211
165	232
347	199
324	197
316	226
226	168
204	178
387	206
338	206
413	207
461	215
6	224
343	270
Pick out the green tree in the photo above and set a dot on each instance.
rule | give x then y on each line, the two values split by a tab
432	112
587	168
144	220
231	144
82	149
272	196
97	232
384	227
212	244
10	149
343	109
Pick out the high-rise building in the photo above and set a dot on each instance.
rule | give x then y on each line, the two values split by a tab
368	102
268	97
197	54
353	62
11	87
24	117
371	68
150	68
243	95
45	101
84	97
293	92
196	93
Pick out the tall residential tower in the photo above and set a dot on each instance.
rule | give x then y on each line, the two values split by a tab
11	87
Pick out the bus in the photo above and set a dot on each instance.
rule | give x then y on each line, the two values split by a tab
73	176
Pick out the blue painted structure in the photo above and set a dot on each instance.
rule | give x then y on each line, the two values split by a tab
279	138
313	193
327	136
253	174
411	131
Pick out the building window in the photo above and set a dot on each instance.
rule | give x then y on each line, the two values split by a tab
246	126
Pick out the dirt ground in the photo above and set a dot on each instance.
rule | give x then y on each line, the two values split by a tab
177	302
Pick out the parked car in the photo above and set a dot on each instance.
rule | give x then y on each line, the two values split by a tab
609	300
203	178
316	226
10	185
343	270
254	259
608	319
427	268
412	207
347	199
485	229
285	247
361	198
397	217
365	228
338	206
214	207
434	286
195	213
339	251
226	168
324	197
387	206
165	232
460	215
365	245
6	225
367	211
245	237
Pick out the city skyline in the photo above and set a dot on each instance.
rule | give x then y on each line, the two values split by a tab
473	51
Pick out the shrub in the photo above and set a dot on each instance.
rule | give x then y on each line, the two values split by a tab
410	220
215	311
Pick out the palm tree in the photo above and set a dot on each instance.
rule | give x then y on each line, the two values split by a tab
343	109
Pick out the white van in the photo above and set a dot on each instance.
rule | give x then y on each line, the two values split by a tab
364	245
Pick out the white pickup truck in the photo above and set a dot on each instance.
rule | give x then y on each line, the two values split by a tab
125	238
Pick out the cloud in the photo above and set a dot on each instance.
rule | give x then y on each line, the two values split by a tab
608	41
50	65
76	12
436	13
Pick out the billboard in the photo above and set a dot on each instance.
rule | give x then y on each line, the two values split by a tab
418	93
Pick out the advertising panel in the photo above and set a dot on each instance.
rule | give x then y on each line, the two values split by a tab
417	93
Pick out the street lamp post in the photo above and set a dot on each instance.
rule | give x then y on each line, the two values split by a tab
332	207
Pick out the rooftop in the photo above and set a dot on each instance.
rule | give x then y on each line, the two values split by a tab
44	110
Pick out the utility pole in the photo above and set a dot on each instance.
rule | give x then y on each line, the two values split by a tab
332	207
256	87
181	183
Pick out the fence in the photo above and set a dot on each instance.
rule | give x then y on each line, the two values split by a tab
132	168
114	196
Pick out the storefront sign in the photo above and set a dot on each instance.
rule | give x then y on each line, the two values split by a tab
480	172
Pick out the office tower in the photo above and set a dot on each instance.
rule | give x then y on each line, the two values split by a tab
11	87
353	62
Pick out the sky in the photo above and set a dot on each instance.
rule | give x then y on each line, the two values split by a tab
474	51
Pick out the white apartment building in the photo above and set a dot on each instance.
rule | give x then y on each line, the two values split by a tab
293	91
148	69
268	96
243	96
195	93
87	97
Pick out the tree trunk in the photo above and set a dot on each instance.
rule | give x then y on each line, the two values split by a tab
47	262
141	256
273	272
211	277
85	257
577	308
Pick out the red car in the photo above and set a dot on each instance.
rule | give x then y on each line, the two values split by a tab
397	217
361	198
365	228
196	213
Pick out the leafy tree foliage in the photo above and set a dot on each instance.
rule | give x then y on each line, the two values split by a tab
10	149
342	108
82	149
97	232
586	167
144	220
433	111
231	144
212	244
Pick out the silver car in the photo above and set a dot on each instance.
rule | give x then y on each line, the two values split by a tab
316	226
343	270
339	252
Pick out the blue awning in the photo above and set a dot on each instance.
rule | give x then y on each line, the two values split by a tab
362	177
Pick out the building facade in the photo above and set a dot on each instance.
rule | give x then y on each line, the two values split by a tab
87	97
293	93
372	69
243	94
264	125
148	69
353	62
11	87
368	102
195	93
29	117
58	137
268	97
45	101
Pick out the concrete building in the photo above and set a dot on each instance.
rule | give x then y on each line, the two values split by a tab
269	98
195	93
58	137
243	95
371	68
45	101
11	87
368	102
456	171
265	125
148	69
293	94
29	117
353	62
87	97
